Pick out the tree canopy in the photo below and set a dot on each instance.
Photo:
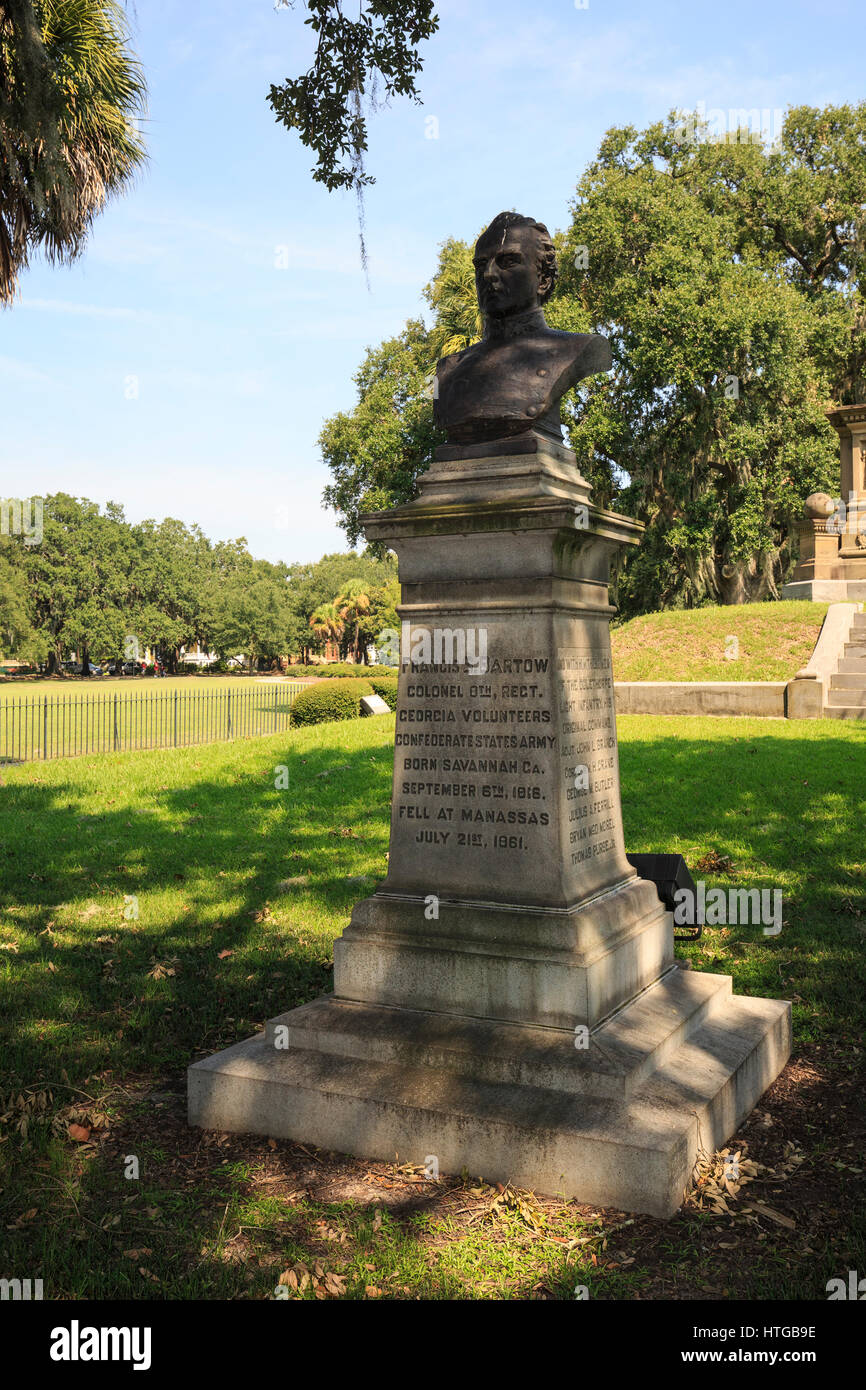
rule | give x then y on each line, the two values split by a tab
95	580
325	105
727	276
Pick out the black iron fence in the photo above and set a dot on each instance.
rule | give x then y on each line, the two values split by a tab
61	726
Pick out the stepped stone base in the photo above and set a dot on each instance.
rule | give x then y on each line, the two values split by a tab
617	1123
554	968
826	590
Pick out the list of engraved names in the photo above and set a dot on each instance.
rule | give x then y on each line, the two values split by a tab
491	762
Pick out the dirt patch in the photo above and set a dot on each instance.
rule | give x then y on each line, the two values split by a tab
798	1222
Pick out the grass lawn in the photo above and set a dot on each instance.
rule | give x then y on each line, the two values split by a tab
49	719
77	687
240	889
773	640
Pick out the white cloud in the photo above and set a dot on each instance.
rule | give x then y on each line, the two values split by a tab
16	371
96	311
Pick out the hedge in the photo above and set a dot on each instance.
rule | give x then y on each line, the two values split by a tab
387	688
336	699
340	669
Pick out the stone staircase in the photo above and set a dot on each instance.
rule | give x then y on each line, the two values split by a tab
846	698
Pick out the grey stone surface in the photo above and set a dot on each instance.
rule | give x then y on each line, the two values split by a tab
555	968
635	1153
373	704
507	999
619	1055
826	590
755	699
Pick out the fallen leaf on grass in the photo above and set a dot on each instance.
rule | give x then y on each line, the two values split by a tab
718	1176
223	955
160	970
323	1282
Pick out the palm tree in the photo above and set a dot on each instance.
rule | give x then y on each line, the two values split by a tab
352	603
451	295
70	94
326	623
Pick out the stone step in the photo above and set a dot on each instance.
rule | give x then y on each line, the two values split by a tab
845	711
634	1154
852	665
618	1055
854	649
848	680
849	698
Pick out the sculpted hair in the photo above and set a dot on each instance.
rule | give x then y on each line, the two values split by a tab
546	250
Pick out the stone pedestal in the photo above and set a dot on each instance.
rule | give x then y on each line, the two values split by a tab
508	1000
832	560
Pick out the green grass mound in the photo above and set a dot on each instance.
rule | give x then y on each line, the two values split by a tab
330	700
743	642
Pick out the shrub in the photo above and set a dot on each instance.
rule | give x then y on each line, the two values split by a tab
339	670
336	699
386	686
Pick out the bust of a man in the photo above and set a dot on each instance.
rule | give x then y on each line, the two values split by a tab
513	379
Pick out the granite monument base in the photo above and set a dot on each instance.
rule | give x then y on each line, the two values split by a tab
619	1123
508	1001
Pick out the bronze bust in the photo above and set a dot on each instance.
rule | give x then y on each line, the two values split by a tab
513	379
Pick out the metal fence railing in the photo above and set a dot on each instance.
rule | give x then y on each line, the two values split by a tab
50	726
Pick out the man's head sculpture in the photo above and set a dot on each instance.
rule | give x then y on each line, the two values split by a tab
511	382
515	265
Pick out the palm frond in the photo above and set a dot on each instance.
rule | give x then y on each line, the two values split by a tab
71	97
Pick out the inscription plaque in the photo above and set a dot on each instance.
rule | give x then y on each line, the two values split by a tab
506	781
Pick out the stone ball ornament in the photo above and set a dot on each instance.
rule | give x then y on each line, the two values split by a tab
819	505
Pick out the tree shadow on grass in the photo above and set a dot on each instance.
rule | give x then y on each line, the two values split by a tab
222	1216
239	886
206	860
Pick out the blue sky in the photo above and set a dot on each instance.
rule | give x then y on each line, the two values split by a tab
237	361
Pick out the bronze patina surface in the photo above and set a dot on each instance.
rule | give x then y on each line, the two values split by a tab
513	379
